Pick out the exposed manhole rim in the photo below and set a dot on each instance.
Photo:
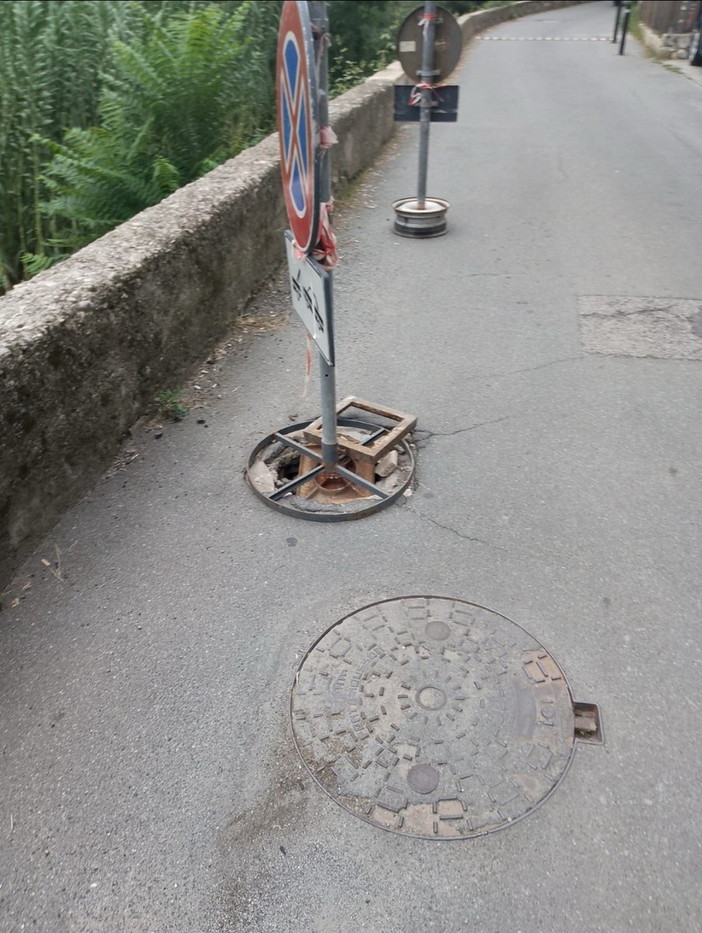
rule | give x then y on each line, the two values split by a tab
481	832
368	506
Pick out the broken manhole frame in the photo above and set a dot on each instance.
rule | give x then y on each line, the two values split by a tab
347	747
286	470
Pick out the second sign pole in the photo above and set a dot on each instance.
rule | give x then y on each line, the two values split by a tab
427	79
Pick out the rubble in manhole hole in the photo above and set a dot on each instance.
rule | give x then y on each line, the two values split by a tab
278	464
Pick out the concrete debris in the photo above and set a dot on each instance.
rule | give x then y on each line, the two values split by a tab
262	478
387	464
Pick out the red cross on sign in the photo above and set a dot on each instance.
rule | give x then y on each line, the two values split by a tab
298	124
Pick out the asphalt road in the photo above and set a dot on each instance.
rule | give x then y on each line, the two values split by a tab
149	782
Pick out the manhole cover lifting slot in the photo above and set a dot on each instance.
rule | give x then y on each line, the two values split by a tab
588	725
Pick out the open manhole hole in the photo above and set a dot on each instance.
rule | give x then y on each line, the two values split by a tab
286	473
435	717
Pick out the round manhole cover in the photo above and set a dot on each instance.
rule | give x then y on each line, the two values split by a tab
433	717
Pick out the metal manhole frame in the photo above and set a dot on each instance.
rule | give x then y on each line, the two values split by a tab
329	516
398	832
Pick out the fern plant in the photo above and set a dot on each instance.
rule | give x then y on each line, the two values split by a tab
54	57
51	56
107	106
191	92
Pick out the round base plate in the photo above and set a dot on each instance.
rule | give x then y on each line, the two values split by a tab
411	220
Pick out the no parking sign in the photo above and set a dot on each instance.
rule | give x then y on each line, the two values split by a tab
299	469
298	122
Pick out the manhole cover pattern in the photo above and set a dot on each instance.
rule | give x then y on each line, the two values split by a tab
433	717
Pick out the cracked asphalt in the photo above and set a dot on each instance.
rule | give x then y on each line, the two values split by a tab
148	779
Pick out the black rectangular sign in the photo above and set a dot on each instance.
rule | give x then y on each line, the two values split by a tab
444	107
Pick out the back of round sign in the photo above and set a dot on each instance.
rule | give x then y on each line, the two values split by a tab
448	43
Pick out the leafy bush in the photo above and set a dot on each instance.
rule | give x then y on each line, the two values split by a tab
192	92
51	55
107	106
71	96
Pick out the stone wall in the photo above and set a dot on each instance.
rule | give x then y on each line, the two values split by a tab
473	23
668	45
85	346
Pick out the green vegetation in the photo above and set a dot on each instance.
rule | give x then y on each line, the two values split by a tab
171	406
188	93
107	106
50	57
635	23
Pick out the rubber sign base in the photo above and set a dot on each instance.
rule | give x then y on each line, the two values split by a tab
420	221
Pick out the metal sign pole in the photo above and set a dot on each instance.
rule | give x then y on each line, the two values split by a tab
617	18
427	75
327	372
298	469
429	45
625	25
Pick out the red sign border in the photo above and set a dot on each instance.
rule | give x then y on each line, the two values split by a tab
295	19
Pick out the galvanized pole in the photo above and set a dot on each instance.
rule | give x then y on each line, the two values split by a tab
617	18
625	25
427	75
327	373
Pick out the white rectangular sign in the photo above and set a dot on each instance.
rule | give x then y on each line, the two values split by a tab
311	291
